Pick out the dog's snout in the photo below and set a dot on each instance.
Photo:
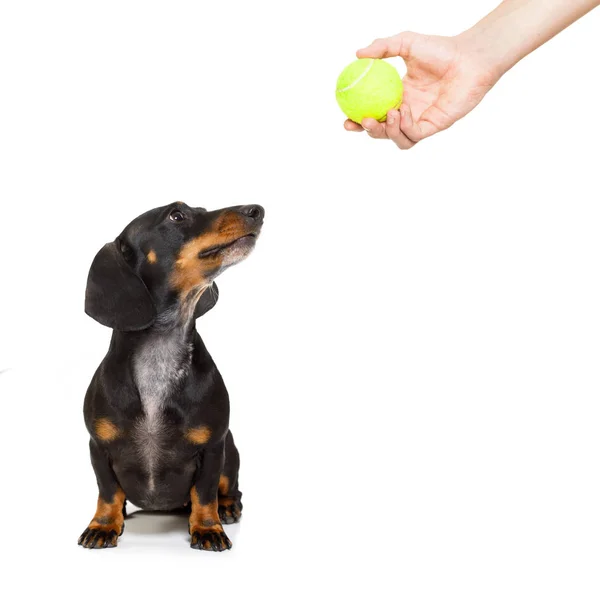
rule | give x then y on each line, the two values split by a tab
254	211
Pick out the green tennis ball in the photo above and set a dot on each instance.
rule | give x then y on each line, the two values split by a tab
368	87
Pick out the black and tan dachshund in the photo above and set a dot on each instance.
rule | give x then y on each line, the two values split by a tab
157	409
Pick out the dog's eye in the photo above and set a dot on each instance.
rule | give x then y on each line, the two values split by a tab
176	215
126	251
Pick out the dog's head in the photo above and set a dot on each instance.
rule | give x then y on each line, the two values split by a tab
165	262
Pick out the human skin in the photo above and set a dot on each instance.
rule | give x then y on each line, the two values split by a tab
447	77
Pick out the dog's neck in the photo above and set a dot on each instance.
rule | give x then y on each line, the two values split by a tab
175	320
174	327
163	355
179	315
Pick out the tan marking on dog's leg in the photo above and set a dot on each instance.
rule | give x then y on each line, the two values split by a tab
107	524
223	485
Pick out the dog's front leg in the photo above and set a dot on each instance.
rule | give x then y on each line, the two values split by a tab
205	526
109	520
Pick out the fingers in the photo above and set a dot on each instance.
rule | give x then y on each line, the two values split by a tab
375	129
391	129
415	131
397	45
352	126
395	133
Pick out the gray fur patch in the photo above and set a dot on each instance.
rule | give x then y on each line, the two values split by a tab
160	363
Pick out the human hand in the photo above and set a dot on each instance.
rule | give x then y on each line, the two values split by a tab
444	81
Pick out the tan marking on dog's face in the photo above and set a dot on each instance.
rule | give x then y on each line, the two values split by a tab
151	256
192	271
198	435
223	485
106	430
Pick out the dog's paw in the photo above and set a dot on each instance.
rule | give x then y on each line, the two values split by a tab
210	539
100	536
230	510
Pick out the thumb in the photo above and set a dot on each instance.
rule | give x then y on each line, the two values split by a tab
397	45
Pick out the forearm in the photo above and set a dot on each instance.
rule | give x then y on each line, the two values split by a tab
517	27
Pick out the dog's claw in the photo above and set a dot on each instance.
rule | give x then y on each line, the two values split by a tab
216	541
96	537
230	513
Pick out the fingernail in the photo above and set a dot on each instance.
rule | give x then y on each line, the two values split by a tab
391	117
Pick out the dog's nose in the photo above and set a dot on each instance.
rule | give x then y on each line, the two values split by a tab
254	211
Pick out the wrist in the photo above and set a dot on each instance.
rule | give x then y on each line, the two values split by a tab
483	47
516	28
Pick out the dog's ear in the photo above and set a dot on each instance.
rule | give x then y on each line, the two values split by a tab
207	300
115	296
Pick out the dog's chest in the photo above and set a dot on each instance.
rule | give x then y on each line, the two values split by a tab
159	365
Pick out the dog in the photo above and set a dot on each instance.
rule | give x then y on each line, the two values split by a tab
157	409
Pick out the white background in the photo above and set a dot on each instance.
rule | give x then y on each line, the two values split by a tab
412	351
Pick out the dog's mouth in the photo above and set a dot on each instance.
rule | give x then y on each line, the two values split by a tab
246	242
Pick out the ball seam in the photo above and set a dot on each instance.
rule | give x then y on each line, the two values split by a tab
359	78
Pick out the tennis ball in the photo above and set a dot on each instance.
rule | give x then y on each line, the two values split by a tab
368	87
